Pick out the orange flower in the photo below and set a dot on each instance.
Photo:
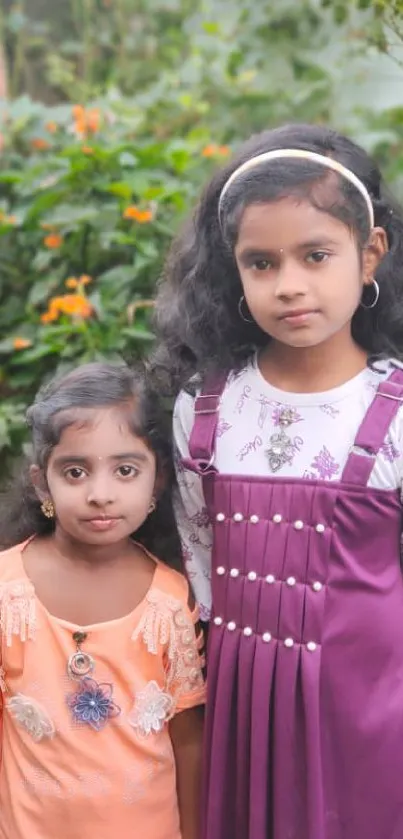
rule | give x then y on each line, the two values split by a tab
39	144
86	122
21	343
78	111
212	150
53	241
4	219
51	127
73	282
141	216
46	226
48	317
87	150
75	305
93	119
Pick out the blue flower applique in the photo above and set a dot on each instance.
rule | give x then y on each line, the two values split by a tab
92	704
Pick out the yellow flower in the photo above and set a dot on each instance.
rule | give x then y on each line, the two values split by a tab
21	343
87	150
71	282
141	216
53	241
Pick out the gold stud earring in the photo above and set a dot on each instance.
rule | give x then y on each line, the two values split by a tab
152	506
48	509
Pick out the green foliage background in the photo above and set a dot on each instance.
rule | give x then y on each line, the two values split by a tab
166	89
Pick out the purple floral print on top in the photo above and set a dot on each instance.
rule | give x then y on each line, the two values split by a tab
389	451
325	465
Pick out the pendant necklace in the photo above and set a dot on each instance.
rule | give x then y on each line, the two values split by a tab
92	703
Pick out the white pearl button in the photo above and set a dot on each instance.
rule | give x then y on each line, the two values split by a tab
266	637
288	643
234	572
238	517
248	631
220	570
270	579
231	626
252	576
317	586
254	519
218	621
320	528
291	581
220	517
298	525
277	518
311	646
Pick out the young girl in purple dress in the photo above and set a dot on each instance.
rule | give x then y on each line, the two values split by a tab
281	318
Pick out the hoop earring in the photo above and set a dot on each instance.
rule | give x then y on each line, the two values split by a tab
241	314
376	298
48	509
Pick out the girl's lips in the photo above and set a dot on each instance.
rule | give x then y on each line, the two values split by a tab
298	317
102	523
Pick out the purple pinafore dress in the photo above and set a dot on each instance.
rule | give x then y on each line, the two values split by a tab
304	727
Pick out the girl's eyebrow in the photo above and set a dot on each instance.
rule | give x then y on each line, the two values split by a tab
64	460
250	252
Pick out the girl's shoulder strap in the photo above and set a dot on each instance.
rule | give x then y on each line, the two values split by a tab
374	428
206	414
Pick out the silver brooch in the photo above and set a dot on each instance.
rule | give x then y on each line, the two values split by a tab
281	447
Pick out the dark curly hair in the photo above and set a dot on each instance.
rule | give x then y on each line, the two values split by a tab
197	320
95	386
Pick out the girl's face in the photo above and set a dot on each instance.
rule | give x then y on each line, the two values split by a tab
101	479
302	271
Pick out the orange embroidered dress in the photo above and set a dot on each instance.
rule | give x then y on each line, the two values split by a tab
92	756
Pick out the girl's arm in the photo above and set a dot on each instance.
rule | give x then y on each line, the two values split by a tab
186	727
186	730
190	509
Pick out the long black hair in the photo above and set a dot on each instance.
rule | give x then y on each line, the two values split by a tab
56	406
197	320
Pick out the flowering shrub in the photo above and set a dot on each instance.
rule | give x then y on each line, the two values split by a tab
87	211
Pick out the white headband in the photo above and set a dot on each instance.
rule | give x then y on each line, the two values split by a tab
301	154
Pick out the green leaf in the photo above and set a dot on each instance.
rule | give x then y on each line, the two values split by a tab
69	214
42	260
42	290
122	190
4	433
30	355
127	159
118	275
138	334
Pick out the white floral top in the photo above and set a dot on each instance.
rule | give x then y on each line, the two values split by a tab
323	430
